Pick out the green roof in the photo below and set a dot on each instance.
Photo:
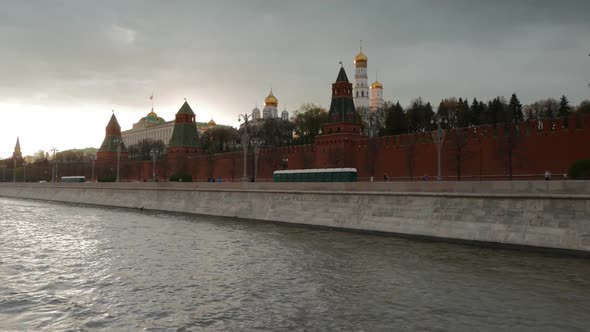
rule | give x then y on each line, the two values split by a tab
342	76
185	109
113	123
342	110
110	144
184	134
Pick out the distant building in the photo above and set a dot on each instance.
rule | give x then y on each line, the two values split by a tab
368	101
17	154
156	128
270	111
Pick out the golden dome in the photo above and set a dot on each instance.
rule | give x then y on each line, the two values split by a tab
361	57
211	123
377	85
271	100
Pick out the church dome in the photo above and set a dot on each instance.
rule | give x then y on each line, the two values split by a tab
271	100
211	123
377	85
256	113
152	116
361	57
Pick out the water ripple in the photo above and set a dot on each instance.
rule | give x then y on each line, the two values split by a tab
73	267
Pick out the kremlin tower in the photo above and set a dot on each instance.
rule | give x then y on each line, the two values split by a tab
342	117
17	154
112	155
112	142
185	136
183	144
341	135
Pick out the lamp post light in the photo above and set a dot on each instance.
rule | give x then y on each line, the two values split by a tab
14	169
256	154
54	166
285	162
439	137
93	161
245	140
25	172
3	172
154	154
118	143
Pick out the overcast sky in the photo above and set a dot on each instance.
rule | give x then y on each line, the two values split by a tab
64	65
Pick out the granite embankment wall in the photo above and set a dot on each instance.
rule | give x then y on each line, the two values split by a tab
552	214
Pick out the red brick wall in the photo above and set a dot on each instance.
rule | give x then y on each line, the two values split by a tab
552	147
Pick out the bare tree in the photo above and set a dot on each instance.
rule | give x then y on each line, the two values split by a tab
508	144
371	157
458	140
411	154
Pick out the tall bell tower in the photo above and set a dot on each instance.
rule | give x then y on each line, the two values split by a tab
361	87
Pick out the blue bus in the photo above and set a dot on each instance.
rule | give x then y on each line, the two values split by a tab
316	175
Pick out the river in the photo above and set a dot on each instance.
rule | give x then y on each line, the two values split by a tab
66	266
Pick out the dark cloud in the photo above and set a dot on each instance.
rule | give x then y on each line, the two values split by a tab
230	52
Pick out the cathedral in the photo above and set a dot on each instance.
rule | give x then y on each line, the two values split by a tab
270	110
368	100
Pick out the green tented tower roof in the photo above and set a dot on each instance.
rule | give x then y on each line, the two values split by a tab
185	130
186	109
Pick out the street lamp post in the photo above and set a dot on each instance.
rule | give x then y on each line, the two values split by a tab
245	140
154	154
439	136
118	143
54	166
256	153
92	160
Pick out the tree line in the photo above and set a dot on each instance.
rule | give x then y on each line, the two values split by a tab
460	113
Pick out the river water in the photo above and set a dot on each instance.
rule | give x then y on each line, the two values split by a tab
78	267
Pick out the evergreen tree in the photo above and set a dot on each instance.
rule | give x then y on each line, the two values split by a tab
428	114
564	107
446	111
584	107
494	112
514	110
463	115
483	108
475	112
396	121
419	116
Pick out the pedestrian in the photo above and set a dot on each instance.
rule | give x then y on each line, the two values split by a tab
385	177
547	175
